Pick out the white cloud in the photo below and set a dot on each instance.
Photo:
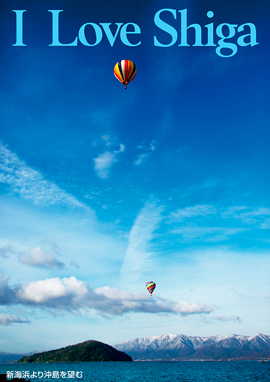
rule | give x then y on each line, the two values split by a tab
188	212
30	183
122	148
39	258
116	294
104	161
120	302
53	292
138	253
75	296
70	294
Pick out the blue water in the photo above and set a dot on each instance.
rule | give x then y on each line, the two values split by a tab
244	371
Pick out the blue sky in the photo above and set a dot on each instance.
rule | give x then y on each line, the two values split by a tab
103	189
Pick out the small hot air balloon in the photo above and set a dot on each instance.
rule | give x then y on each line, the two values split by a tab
125	71
150	285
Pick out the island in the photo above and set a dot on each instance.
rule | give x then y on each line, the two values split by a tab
88	351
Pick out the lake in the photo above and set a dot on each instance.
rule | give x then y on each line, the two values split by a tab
244	371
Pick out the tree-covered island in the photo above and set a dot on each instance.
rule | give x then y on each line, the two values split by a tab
88	351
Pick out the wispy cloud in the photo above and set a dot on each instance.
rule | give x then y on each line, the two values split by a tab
146	151
209	234
104	161
195	222
138	253
249	215
242	294
6	319
73	295
228	318
39	258
141	158
242	213
30	183
6	250
188	212
74	264
265	224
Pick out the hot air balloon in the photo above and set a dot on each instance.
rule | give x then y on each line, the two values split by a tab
125	71
150	285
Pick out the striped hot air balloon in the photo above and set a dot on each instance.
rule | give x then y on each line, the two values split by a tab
150	285
125	71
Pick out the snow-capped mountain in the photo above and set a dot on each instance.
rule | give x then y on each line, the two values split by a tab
181	347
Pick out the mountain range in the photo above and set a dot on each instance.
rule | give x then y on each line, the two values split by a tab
171	347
